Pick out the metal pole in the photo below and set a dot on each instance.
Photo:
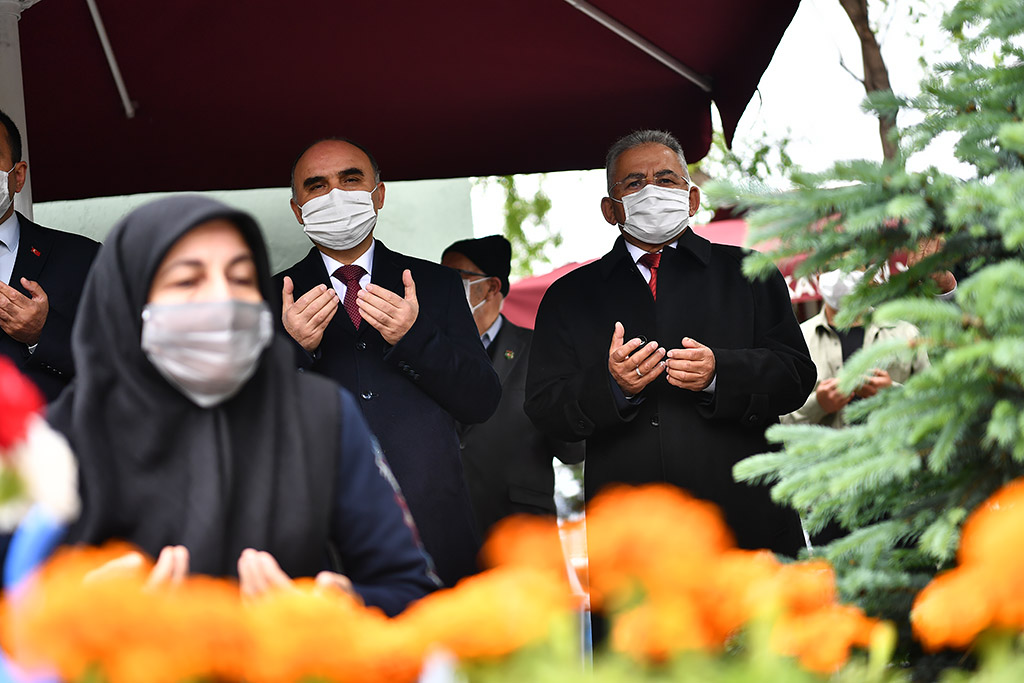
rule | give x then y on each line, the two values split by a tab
12	89
623	31
115	71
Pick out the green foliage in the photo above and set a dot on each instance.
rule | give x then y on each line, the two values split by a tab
750	659
762	160
915	459
526	225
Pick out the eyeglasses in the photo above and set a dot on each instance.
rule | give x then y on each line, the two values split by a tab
635	182
471	273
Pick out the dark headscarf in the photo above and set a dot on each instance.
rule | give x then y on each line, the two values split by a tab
155	469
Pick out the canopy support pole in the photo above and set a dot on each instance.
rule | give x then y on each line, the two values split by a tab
637	40
115	71
12	88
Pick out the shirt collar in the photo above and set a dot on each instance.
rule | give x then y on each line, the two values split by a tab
365	260
636	252
491	333
10	232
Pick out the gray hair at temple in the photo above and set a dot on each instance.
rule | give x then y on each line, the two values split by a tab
643	137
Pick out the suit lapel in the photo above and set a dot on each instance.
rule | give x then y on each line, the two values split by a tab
310	272
386	272
505	349
626	296
33	250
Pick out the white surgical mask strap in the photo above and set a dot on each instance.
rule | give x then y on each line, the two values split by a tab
469	283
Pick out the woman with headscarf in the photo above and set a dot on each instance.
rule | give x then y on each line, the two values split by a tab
196	438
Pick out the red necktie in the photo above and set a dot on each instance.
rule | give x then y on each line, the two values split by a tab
350	276
652	261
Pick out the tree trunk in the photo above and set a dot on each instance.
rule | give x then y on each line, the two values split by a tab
876	76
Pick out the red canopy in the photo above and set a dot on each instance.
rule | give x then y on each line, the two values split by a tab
524	296
228	93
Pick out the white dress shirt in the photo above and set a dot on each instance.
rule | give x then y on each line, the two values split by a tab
366	261
10	236
636	252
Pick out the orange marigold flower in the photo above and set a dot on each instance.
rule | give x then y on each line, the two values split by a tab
806	586
304	633
954	608
658	629
986	589
822	639
989	528
525	541
736	590
653	534
489	614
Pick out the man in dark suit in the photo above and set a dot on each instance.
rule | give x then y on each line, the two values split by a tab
712	358
41	276
507	461
396	332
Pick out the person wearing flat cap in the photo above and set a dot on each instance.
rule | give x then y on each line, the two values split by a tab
506	460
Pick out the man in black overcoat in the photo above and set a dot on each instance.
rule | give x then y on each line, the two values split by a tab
664	357
396	332
507	460
42	272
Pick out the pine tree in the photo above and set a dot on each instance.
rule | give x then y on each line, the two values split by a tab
916	459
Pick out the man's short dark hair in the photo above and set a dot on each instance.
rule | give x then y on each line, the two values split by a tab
13	137
373	161
642	137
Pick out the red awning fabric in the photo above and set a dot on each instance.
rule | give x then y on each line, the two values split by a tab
228	93
524	296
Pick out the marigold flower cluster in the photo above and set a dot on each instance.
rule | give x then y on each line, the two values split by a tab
203	629
986	590
664	566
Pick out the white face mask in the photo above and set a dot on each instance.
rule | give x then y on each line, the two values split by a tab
835	285
655	215
6	199
206	350
467	284
340	219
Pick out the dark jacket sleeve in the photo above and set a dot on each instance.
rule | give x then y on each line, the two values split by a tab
774	377
371	526
567	398
443	355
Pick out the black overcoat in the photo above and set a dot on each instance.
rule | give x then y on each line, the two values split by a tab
59	262
412	393
674	435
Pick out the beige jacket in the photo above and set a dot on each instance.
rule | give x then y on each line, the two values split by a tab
827	354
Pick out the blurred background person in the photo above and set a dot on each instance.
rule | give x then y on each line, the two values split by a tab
41	276
506	460
831	347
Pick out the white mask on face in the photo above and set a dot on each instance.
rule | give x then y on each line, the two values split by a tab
206	350
468	284
835	285
6	199
655	215
340	219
